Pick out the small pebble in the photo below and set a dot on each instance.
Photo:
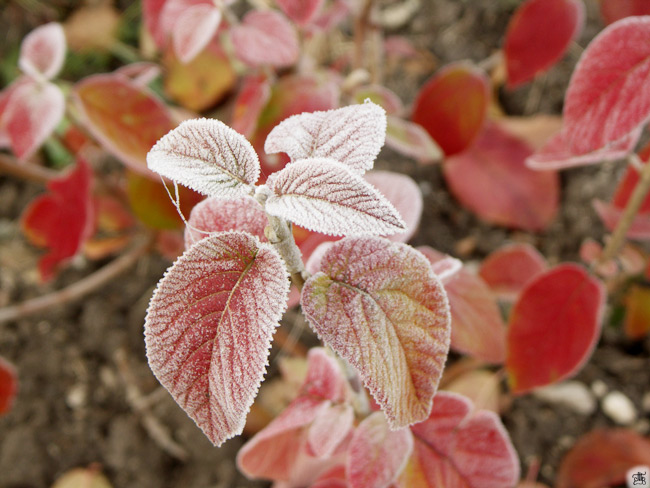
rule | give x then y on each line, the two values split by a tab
572	394
599	388
619	408
76	397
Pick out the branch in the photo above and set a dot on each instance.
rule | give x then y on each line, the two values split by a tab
26	171
78	289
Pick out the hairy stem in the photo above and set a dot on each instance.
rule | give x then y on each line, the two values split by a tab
631	209
26	171
78	289
279	233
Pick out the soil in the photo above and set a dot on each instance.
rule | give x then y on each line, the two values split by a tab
78	364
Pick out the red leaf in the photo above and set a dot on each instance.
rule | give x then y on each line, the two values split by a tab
553	327
606	99
382	96
452	106
324	380
456	449
538	35
251	99
32	112
193	30
611	216
394	331
508	269
43	51
491	179
302	12
476	324
151	15
265	37
613	10
209	326
218	215
62	219
601	458
8	386
329	429
376	454
124	117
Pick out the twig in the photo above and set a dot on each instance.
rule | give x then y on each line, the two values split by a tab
492	61
631	209
360	26
78	289
26	171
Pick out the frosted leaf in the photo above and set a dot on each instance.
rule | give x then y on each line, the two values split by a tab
329	429
207	156
351	135
209	325
379	306
325	196
220	214
43	51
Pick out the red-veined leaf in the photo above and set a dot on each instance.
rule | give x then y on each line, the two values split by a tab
613	10
476	324
302	12
43	51
553	327
395	331
352	135
265	37
637	312
538	35
491	179
62	219
606	99
404	194
193	30
328	429
602	457
209	326
219	214
457	449
124	117
31	112
325	196
611	216
8	386
207	156
452	106
377	454
410	139
251	99
508	269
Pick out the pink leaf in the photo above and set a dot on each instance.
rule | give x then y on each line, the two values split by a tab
606	99
302	12
476	324
324	380
410	139
329	428
32	112
193	30
207	156
613	10
404	194
611	216
152	17
491	179
508	269
382	96
460	449
351	135
265	37
553	327
219	214
209	326
43	51
140	73
251	99
8	386
377	454
62	219
538	35
394	331
326	196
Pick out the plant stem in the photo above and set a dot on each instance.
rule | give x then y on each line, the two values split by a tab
279	233
360	27
631	209
78	289
26	171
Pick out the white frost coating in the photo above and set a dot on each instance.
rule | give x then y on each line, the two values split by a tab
325	196
42	52
209	326
352	135
207	156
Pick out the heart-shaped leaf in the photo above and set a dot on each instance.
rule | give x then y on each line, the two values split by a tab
42	52
207	156
209	326
538	35
8	386
613	10
351	135
265	37
553	327
395	331
508	269
606	99
376	454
